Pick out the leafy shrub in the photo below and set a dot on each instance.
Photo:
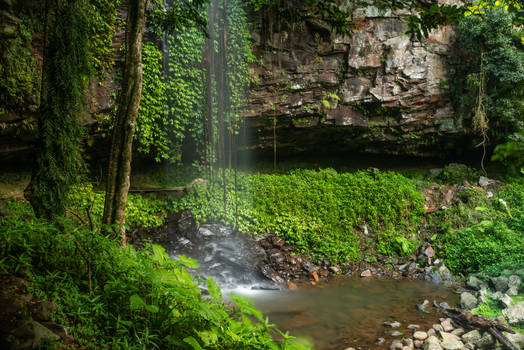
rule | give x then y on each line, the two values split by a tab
457	173
143	212
123	298
318	211
488	243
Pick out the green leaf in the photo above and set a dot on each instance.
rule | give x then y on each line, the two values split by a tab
214	289
193	342
152	308
136	302
188	262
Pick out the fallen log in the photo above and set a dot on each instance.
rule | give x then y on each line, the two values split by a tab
493	326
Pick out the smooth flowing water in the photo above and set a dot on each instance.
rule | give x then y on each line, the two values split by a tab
351	312
335	315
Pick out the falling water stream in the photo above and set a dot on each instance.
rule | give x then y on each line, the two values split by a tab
341	313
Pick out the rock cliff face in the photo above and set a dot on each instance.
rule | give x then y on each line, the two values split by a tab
377	91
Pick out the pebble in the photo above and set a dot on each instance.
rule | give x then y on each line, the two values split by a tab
396	334
366	273
393	324
413	326
419	335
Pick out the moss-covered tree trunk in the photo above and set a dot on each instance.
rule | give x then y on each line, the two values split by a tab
119	172
58	155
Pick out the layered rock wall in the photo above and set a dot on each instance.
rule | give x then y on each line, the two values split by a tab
377	91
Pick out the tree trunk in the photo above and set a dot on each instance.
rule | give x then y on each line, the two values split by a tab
119	170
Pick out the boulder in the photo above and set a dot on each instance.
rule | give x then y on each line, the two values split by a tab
472	337
506	300
432	343
450	342
468	301
458	332
514	281
486	342
514	314
501	284
512	291
444	274
517	339
476	283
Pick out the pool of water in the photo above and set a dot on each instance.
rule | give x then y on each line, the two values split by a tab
351	312
334	315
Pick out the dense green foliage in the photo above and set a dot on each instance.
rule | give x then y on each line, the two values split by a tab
317	211
483	234
491	77
124	298
141	212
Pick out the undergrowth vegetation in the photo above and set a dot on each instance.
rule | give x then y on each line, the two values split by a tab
320	212
484	234
124	298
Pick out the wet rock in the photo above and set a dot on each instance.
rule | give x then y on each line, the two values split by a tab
514	314
424	306
506	300
419	335
186	224
444	305
486	341
42	333
309	267
314	276
413	326
514	281
392	324
446	325
408	342
334	269
271	274
450	342
500	283
380	341
291	285
396	345
458	332
517	339
432	343
438	328
366	273
468	301
43	310
396	333
476	283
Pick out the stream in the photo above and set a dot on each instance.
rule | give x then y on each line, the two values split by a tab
335	315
